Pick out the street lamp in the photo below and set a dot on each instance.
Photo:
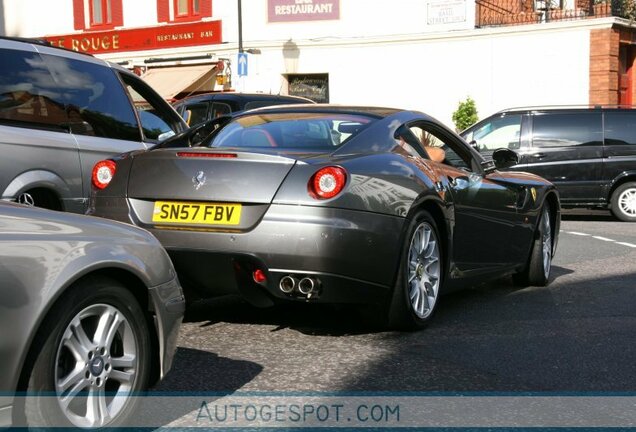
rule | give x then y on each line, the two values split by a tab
240	28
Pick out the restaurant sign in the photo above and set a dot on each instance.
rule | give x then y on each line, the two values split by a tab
140	39
302	10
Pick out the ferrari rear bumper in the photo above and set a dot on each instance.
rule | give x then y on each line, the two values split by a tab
352	255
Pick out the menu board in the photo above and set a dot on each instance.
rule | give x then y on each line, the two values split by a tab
311	86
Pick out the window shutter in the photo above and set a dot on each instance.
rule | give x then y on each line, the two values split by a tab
78	15
118	13
206	8
163	10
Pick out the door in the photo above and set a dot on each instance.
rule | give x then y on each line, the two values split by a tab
620	147
485	209
567	149
627	56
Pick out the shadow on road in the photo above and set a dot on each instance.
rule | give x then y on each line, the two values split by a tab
310	319
196	375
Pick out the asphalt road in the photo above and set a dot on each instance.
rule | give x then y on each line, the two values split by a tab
576	335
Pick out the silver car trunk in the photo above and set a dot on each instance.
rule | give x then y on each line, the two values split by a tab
207	175
204	188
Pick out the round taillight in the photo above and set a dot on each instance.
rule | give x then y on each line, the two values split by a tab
103	173
327	182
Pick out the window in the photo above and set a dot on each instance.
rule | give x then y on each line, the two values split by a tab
186	8
432	143
311	131
102	14
183	10
97	105
198	113
620	127
501	132
29	95
561	130
157	122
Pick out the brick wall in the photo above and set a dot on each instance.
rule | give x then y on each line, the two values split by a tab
604	50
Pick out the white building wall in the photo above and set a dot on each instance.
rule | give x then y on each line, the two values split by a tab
140	13
498	69
33	18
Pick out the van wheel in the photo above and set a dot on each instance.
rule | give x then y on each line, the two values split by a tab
624	202
537	271
93	355
419	278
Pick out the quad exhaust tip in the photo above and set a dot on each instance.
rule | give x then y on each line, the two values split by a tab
303	285
307	285
287	284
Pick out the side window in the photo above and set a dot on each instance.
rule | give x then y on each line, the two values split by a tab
158	121
440	148
97	104
198	112
501	132
561	130
219	109
620	128
28	92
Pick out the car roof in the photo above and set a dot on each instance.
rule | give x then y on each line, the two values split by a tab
379	112
550	108
244	97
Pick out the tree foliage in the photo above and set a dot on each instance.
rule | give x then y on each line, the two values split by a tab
466	114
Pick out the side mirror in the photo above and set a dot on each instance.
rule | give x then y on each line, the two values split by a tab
474	145
505	158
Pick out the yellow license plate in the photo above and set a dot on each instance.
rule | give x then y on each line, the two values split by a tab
196	213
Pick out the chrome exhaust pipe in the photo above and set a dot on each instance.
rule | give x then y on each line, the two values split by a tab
307	285
287	284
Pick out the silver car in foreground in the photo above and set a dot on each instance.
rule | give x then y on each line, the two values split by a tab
89	316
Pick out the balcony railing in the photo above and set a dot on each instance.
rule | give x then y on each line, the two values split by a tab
516	12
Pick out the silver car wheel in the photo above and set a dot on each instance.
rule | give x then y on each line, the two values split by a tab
423	270
546	242
627	202
96	366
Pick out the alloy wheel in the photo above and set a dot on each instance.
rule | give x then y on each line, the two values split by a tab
96	366
423	270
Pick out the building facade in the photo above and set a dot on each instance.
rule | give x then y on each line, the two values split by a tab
426	55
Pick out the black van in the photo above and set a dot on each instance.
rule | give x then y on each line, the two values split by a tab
588	153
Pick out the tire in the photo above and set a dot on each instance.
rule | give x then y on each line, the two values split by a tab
537	270
421	263
76	372
624	202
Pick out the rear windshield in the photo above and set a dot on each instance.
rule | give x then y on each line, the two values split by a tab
307	131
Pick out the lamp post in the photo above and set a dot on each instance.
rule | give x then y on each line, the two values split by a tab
240	27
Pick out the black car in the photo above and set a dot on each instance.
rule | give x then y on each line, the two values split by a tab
335	204
200	108
588	153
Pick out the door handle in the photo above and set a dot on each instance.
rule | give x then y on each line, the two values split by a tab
539	155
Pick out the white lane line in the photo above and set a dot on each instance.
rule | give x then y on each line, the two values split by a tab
626	244
603	238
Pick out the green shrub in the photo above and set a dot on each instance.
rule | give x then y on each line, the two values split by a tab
466	114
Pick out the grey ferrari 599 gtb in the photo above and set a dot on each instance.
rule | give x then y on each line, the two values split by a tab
334	204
